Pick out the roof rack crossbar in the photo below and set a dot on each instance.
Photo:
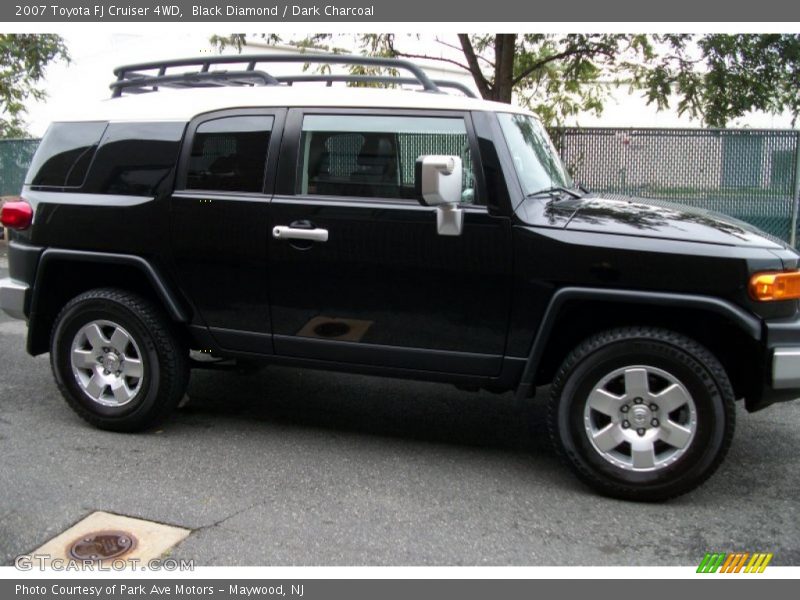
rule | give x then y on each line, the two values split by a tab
387	79
128	72
138	81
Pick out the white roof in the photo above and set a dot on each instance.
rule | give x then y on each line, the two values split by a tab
184	104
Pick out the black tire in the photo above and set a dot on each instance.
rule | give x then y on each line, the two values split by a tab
163	354
628	349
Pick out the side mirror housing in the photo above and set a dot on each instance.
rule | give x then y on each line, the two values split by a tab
438	183
438	179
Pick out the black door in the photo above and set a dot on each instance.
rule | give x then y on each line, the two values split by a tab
220	223
364	276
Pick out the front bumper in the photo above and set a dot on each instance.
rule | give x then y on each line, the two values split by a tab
780	364
786	368
13	297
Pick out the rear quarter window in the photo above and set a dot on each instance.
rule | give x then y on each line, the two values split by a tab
64	156
135	159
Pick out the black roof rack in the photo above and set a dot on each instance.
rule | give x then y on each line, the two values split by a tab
138	84
330	79
148	77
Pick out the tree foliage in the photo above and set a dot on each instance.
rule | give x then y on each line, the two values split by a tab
23	58
720	77
714	77
556	76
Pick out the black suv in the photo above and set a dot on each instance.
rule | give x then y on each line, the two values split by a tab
233	215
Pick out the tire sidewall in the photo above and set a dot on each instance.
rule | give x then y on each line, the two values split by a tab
712	419
70	322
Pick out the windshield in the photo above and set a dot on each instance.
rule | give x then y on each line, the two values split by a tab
537	163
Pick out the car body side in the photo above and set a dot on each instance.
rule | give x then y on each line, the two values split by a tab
529	280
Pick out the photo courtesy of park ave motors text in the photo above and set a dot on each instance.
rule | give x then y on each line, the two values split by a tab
380	299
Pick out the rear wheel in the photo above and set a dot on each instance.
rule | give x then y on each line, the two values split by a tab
642	413
117	360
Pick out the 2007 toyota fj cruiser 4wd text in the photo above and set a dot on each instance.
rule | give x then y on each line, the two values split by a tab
393	232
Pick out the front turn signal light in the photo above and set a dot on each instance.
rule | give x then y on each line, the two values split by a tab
769	287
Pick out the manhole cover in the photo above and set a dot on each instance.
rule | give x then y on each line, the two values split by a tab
101	545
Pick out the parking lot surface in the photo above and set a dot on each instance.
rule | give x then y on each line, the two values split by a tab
291	467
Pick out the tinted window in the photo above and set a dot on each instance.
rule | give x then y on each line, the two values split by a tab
64	155
230	154
134	159
374	156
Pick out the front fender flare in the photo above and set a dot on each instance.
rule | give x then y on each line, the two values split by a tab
746	321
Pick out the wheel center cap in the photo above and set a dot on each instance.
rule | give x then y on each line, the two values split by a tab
111	362
640	416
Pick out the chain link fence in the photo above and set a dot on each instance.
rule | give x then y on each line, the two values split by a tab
15	156
749	174
753	175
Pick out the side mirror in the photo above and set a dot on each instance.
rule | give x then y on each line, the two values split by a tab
438	183
438	179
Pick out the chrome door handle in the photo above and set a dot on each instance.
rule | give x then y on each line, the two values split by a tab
282	232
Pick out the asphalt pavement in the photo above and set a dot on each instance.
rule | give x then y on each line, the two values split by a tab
293	467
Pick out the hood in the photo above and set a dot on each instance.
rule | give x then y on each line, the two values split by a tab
656	219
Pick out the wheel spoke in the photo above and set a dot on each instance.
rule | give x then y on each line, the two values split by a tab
672	398
605	402
84	359
96	386
674	434
608	438
95	336
636	383
132	367
643	455
120	340
120	390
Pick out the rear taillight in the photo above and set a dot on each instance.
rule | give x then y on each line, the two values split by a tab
16	215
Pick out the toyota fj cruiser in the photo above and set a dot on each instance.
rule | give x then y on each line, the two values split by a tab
210	206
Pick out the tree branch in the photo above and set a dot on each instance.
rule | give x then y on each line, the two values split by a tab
472	60
539	64
461	49
397	54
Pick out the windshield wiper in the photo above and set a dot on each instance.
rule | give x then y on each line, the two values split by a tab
555	190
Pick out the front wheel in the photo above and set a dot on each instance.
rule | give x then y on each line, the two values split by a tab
118	360
642	413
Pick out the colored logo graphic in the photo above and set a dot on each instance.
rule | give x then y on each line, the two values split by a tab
734	562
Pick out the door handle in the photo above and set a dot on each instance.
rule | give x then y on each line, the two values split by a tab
282	232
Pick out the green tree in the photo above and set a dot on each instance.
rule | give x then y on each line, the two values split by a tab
714	77
556	76
23	58
719	77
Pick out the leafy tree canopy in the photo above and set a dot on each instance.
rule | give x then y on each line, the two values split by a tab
714	78
719	77
23	58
